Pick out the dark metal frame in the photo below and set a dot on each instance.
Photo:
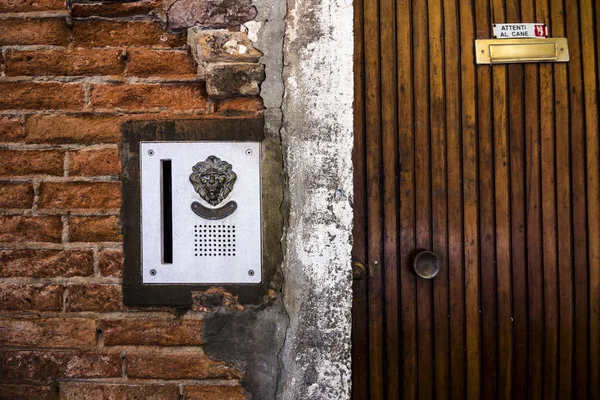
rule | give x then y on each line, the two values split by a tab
135	293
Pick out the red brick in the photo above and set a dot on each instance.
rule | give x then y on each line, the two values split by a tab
94	229
111	262
240	106
11	130
45	365
50	332
112	10
46	263
64	63
95	162
94	297
25	392
151	332
16	195
98	33
13	6
41	96
179	366
31	298
31	162
160	63
82	128
213	393
149	97
96	390
30	229
80	195
50	31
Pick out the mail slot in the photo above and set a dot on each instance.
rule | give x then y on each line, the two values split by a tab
200	212
502	51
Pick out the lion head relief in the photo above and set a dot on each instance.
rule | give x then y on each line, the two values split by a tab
213	179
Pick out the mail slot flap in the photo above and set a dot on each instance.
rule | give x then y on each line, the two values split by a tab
499	51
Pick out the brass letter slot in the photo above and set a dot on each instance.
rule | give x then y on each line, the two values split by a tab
504	51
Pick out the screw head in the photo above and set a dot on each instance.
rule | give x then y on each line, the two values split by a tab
152	272
248	152
251	272
151	152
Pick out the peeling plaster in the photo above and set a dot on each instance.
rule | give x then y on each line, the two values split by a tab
317	138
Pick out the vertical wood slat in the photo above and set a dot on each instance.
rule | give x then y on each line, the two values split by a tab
389	148
360	332
470	201
487	239
579	214
516	124
533	215
374	214
426	383
439	193
563	207
549	244
502	220
590	84
406	145
455	264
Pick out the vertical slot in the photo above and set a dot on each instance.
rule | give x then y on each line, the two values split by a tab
167	211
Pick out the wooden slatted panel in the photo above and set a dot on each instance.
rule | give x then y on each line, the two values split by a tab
497	170
456	293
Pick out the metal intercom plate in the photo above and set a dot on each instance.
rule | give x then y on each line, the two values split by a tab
200	212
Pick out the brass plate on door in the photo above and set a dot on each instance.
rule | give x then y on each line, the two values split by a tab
508	51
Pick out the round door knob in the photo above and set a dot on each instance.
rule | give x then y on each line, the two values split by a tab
426	264
359	271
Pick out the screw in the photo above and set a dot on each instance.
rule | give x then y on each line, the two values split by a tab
150	152
248	152
375	262
152	272
251	272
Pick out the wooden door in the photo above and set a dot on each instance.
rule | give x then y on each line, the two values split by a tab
495	169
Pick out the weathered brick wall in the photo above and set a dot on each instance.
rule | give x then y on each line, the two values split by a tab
71	75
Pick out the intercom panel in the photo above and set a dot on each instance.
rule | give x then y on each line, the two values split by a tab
200	212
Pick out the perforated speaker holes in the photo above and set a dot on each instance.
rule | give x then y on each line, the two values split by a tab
214	240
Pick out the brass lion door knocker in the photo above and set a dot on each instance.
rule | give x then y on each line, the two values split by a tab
213	180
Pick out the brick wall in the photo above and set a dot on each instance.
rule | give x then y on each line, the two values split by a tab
71	74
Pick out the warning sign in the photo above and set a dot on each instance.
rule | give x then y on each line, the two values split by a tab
520	31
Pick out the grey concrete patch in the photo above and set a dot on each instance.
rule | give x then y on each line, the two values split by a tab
317	141
254	338
269	28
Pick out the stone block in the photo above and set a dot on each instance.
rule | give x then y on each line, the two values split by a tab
151	332
95	162
95	297
16	195
31	297
46	263
179	366
94	229
31	162
48	332
41	95
18	228
204	392
80	195
83	128
234	80
182	14
111	262
212	46
46	365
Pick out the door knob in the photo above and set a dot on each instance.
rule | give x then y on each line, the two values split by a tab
359	271
426	264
